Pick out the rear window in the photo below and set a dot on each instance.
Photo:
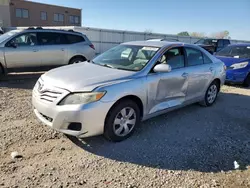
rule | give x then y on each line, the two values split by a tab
72	39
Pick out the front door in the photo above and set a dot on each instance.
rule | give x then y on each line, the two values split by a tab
22	52
166	90
53	49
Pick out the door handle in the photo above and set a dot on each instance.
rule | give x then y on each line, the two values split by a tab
211	69
185	75
62	49
34	50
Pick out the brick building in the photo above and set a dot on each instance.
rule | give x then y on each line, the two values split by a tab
21	13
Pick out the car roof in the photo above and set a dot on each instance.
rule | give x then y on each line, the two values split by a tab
51	30
158	44
240	44
161	44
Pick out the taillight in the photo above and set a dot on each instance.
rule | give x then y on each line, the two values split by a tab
92	46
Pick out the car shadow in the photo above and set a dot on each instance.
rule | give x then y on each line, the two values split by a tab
20	80
192	138
237	85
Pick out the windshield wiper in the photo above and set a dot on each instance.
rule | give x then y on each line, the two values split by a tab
91	61
107	65
126	69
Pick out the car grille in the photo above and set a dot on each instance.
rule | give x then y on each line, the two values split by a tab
49	96
47	93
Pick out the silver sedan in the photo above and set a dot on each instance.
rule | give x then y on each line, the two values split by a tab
125	85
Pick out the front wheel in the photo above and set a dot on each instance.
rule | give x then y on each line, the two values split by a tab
247	81
211	94
122	120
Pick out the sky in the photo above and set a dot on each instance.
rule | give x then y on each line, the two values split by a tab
165	16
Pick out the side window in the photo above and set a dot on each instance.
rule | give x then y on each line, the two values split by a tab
27	39
207	60
174	57
51	38
194	57
74	39
220	44
226	42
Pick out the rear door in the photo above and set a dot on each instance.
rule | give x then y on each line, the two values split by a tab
54	48
166	90
25	54
199	69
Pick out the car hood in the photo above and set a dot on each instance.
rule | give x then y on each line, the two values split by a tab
84	76
230	60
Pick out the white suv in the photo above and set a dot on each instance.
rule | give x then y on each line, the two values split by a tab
40	49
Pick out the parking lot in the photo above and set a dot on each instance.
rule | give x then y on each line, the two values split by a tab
190	147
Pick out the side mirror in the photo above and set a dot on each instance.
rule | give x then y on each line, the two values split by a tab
162	68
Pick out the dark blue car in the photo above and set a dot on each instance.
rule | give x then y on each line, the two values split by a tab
237	59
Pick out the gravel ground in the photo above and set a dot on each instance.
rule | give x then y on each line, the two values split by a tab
190	147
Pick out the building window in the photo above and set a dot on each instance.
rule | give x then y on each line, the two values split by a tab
74	19
43	15
59	17
22	13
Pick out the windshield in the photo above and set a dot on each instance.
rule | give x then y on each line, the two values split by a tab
207	42
126	57
235	51
7	35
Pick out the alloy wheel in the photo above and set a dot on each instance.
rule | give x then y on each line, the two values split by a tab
124	122
212	93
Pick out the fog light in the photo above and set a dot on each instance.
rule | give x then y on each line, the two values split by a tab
75	126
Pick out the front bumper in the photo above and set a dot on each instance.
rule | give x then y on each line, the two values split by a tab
236	76
91	116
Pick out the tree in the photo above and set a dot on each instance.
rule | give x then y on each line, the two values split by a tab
183	33
197	34
221	35
149	31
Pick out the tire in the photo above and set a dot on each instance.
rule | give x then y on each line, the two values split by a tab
123	129
247	81
77	60
211	94
1	72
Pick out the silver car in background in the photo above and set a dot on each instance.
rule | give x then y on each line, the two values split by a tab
127	84
40	49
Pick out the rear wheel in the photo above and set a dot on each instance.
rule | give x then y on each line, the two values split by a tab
211	94
122	120
77	60
247	81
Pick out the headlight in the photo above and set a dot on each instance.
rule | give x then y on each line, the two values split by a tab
239	65
82	98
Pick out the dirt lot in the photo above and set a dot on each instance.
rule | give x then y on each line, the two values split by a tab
190	147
